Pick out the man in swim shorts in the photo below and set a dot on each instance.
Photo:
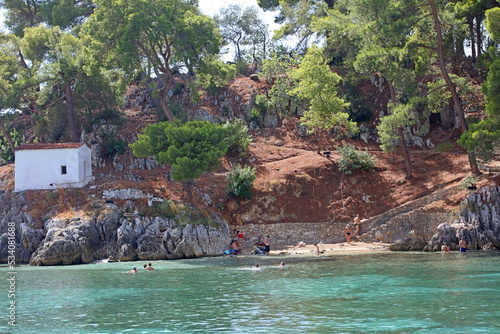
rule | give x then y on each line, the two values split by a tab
357	221
463	245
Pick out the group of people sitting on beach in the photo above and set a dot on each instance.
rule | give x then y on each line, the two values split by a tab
262	246
145	267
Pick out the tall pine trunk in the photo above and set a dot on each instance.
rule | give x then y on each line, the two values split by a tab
163	102
404	149
449	83
69	112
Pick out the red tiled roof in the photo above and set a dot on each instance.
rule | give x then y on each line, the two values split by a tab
48	146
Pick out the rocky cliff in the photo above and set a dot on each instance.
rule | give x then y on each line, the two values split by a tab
107	234
477	221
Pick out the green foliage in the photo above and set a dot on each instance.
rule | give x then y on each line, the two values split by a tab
6	154
191	148
240	181
468	181
352	159
241	66
214	74
178	87
401	115
52	125
277	69
493	23
445	147
318	85
178	111
261	103
237	136
483	138
243	28
358	110
255	117
113	146
165	34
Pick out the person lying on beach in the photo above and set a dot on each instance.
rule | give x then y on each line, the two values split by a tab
133	271
301	244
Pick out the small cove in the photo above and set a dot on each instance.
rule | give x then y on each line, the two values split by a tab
351	293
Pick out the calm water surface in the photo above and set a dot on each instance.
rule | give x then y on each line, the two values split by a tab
368	293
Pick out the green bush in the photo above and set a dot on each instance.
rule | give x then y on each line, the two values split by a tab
261	103
113	146
237	136
469	181
255	117
351	159
445	147
240	181
178	87
241	66
6	154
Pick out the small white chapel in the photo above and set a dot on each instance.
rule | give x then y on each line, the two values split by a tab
52	166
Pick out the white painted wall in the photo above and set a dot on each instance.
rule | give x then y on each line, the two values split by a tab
42	169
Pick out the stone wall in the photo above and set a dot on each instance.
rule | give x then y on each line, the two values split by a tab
420	223
282	234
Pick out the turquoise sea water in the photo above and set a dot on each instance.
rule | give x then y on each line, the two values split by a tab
367	293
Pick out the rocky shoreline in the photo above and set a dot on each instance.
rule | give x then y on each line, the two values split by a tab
109	235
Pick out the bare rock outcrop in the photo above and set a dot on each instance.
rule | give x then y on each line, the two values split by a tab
106	234
478	222
72	244
408	244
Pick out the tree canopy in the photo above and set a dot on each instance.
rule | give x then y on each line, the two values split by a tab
191	148
165	35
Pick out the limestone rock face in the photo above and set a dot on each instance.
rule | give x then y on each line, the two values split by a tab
107	234
17	225
478	222
446	235
408	244
73	244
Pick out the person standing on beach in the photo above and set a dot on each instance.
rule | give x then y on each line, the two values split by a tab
348	232
317	250
463	245
357	221
240	238
267	244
